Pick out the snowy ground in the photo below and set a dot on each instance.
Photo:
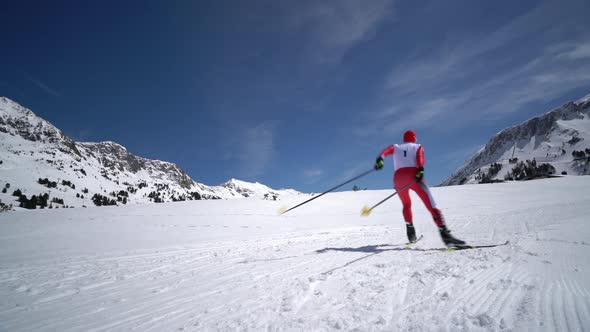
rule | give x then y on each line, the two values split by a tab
237	265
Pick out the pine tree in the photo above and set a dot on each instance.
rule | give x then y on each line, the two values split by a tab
44	199
33	202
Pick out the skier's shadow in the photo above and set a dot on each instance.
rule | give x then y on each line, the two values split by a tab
371	250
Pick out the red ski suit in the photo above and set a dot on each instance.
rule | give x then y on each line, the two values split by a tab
408	157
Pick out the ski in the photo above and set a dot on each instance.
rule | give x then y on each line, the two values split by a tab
409	244
465	247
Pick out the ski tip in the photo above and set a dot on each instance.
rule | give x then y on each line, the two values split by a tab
281	210
365	211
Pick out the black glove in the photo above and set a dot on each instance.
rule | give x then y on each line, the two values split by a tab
420	174
378	163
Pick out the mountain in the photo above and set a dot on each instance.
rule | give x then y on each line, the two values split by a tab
560	139
256	190
36	158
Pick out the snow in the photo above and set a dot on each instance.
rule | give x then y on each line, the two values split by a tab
237	265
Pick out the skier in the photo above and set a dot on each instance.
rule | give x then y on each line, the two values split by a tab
408	161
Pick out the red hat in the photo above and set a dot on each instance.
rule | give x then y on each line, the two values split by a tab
410	136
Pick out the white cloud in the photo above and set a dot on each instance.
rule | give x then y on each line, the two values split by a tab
453	85
334	27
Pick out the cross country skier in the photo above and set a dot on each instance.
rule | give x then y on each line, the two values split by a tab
408	161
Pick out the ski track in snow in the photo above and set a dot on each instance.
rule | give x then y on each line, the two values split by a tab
194	266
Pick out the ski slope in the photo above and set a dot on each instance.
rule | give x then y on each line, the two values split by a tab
237	265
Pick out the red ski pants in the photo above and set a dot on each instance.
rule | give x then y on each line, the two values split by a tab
404	176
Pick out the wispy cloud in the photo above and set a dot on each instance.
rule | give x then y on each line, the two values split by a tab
409	114
257	148
465	80
44	86
312	173
334	27
573	51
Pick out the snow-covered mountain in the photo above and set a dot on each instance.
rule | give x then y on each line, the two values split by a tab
560	138
256	190
36	158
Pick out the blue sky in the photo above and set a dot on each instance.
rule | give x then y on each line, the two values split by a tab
293	94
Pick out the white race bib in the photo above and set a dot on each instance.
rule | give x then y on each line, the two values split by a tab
404	155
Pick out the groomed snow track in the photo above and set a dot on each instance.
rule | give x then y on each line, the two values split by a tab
237	265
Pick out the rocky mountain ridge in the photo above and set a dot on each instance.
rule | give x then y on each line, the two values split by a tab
554	138
37	158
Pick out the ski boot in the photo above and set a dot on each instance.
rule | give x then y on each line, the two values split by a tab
411	232
449	239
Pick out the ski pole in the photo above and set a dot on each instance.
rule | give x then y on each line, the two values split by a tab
366	211
327	191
